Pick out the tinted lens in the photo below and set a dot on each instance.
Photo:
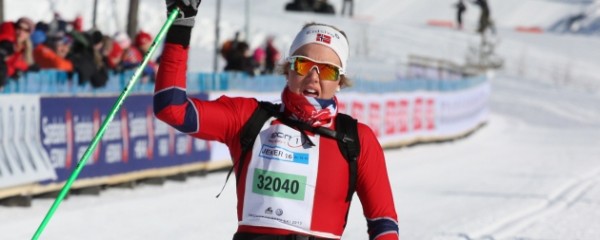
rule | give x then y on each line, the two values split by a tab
327	72
24	28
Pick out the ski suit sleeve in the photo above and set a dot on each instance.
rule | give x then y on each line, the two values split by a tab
373	188
219	120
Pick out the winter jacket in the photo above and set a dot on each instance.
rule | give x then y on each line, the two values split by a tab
285	187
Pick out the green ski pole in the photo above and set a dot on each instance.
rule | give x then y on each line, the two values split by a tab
107	120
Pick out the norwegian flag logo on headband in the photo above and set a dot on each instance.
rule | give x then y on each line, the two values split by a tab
323	35
323	38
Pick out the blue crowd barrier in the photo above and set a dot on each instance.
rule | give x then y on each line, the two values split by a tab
57	82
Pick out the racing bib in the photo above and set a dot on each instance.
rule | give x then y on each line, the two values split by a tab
281	180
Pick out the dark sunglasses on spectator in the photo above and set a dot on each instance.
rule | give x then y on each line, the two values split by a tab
24	28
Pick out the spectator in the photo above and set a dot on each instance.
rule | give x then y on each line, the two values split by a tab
350	7
87	59
58	25
132	57
239	59
229	45
142	42
485	22
259	59
272	56
300	6
461	8
42	26
78	23
18	34
38	37
322	6
53	54
112	54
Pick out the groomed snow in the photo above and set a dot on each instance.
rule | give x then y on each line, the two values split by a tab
531	173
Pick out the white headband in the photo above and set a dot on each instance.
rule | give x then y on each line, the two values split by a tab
323	35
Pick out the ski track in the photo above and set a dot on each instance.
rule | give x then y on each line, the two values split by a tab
564	197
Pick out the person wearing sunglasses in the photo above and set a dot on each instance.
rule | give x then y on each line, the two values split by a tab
291	184
18	34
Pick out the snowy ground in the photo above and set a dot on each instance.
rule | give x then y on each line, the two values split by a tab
531	173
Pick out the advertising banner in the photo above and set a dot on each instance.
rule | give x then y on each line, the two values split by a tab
134	140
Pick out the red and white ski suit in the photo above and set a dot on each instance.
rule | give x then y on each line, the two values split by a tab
223	119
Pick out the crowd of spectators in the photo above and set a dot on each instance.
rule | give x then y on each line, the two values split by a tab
240	58
26	46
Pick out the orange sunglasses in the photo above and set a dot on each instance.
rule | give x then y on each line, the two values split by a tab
327	71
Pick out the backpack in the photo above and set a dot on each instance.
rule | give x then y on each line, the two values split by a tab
346	137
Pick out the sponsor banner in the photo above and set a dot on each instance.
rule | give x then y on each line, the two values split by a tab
462	110
419	115
134	140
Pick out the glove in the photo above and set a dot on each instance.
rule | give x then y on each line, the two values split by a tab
188	10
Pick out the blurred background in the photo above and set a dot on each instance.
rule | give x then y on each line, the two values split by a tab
489	111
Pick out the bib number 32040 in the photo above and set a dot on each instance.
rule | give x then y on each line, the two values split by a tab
277	184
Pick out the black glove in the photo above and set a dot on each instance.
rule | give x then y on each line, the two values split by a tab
188	10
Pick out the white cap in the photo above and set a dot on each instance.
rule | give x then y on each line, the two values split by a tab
324	35
122	39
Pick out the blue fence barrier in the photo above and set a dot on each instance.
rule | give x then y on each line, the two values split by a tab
56	82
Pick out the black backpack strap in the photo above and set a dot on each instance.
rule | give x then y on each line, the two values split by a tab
349	144
251	130
248	135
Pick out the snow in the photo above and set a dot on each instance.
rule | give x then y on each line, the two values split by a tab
531	173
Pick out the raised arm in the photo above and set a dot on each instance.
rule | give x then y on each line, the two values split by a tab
218	120
171	103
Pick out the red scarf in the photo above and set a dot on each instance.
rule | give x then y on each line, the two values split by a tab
307	109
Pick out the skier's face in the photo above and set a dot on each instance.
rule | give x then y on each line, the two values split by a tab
311	84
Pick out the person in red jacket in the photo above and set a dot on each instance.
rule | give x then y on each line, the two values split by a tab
288	188
18	33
